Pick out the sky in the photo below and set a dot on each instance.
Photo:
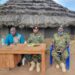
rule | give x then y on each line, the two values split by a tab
70	4
3	1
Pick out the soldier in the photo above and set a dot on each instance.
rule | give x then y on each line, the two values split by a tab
35	38
60	42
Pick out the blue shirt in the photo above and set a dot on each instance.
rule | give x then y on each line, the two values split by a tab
10	39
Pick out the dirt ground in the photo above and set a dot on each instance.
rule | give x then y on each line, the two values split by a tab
50	70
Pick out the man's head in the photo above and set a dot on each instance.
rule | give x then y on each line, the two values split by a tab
35	29
60	30
13	31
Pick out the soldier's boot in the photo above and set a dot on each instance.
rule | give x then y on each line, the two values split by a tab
63	67
38	67
32	66
57	66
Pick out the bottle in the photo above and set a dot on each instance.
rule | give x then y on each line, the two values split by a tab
3	41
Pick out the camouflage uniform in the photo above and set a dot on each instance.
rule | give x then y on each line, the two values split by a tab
60	43
35	39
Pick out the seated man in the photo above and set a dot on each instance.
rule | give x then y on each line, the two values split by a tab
35	38
14	38
60	53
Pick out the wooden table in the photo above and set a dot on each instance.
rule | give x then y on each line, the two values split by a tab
9	56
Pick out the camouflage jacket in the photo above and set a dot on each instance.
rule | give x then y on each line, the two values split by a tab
61	41
36	38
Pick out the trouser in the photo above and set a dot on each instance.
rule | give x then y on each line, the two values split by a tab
20	63
60	57
33	57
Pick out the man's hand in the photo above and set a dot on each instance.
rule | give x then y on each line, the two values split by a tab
12	45
62	50
25	42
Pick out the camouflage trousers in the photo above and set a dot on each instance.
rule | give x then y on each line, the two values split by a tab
33	57
60	57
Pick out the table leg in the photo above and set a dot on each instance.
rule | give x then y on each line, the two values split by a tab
43	63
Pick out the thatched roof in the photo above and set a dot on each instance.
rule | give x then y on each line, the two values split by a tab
45	13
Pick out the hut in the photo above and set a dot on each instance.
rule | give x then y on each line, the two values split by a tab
47	14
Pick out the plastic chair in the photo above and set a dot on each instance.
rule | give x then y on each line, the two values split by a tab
67	62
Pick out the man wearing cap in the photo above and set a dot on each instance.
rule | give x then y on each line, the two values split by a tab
60	42
35	38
